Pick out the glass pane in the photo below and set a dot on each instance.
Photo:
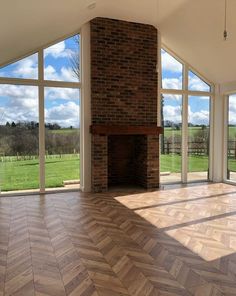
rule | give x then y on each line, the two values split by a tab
26	68
62	60
19	164
196	83
171	140
198	137
62	134
232	138
172	71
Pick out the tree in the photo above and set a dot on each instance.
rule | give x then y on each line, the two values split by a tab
75	58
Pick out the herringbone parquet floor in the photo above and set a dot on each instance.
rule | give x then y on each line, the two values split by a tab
178	241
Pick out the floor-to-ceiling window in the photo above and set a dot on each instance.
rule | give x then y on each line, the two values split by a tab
231	135
62	137
185	116
19	137
198	137
171	142
40	119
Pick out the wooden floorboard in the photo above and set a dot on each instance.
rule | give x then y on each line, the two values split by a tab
177	241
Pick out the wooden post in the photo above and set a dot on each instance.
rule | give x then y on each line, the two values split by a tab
234	149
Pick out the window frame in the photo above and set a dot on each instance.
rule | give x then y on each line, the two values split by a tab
226	137
185	92
41	83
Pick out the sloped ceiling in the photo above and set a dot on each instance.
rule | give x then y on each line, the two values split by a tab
191	28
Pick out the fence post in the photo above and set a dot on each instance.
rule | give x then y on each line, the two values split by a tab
234	149
168	147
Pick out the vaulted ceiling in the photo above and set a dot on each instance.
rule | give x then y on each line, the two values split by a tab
191	28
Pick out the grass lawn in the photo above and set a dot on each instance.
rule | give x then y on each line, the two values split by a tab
232	164
168	131
192	130
24	174
172	163
232	132
65	131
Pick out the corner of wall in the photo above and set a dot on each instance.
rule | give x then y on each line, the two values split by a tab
85	111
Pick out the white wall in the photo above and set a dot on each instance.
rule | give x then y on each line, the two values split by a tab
85	111
218	136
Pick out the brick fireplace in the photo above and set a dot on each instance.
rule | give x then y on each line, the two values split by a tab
125	143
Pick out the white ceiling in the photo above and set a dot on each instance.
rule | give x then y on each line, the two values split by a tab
191	28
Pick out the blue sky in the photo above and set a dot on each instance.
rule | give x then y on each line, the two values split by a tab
172	76
19	103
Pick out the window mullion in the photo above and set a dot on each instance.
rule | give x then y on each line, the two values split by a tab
185	126
41	123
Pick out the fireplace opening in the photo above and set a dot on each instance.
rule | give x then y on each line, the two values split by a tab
126	160
125	155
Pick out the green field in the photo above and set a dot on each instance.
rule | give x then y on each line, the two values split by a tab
168	131
65	131
172	163
24	174
232	132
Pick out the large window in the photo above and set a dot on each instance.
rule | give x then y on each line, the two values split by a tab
19	137
185	116
231	155
198	137
40	124
62	137
171	142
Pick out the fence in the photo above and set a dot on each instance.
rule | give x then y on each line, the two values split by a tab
33	157
198	148
232	148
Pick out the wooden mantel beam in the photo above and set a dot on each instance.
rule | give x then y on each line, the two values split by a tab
125	130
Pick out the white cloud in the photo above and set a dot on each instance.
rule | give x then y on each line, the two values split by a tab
67	74
232	109
65	115
22	92
176	83
18	112
172	83
20	103
172	97
64	74
50	73
172	113
62	93
25	68
196	83
58	50
170	64
198	117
